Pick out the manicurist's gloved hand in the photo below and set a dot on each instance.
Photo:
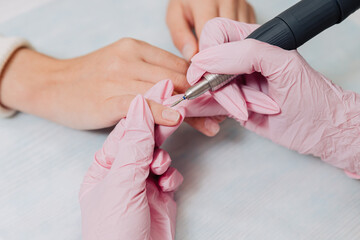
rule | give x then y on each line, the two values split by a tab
128	191
317	117
186	19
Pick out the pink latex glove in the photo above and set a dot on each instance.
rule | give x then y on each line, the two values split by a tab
208	106
119	197
317	117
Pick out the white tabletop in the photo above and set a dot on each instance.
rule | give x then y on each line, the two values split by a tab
237	184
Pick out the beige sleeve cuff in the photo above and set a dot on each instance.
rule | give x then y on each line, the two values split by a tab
8	45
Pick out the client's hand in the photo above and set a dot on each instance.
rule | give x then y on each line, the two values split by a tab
317	117
94	91
128	191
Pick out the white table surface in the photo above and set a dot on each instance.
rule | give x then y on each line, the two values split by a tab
237	184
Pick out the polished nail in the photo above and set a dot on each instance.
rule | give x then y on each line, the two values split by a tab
171	115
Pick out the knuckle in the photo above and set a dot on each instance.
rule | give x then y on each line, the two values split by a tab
179	81
115	66
179	78
232	2
128	43
181	65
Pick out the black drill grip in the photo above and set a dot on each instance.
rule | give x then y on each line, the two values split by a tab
303	21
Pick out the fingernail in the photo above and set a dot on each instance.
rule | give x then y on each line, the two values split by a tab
171	115
188	51
212	126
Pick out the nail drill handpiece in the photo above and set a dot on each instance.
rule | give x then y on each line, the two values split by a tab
289	30
209	82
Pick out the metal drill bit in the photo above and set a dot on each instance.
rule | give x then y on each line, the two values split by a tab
209	82
178	101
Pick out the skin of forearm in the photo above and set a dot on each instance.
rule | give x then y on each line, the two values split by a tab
25	80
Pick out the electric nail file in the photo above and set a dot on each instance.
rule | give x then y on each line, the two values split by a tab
289	30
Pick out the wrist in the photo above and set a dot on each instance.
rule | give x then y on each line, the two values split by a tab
25	80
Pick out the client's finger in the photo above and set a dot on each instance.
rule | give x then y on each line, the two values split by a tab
209	126
229	10
181	30
162	115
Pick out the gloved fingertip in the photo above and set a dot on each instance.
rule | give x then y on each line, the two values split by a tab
352	175
139	115
239	114
171	180
160	91
138	134
274	108
259	102
161	162
200	56
194	74
220	30
243	114
230	97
